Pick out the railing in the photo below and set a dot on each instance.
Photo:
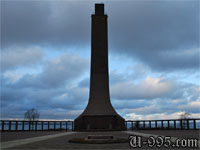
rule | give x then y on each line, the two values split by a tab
17	125
171	124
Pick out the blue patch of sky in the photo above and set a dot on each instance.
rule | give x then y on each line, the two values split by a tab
190	76
120	63
53	52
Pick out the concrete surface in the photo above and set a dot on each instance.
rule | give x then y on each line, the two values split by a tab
61	142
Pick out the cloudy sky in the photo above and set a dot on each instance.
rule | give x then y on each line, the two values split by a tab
154	58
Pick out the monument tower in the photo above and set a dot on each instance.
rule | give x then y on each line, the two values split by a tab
99	113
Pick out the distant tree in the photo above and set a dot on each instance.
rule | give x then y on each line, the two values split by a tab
31	115
184	116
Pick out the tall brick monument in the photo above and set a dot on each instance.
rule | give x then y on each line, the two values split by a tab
99	113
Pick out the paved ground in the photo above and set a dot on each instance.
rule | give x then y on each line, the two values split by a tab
61	141
174	133
16	135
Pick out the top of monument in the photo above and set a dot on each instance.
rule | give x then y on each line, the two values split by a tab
99	9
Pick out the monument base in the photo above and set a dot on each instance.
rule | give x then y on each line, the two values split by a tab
99	123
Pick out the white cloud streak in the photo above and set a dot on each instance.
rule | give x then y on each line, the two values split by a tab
147	89
16	57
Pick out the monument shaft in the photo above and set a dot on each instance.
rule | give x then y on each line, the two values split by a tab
99	113
99	82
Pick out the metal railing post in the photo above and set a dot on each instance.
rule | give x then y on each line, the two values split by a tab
194	124
36	125
54	125
188	125
72	126
48	125
156	124
162	126
42	125
2	125
168	125
150	124
16	125
22	125
181	124
131	125
174	124
29	125
9	127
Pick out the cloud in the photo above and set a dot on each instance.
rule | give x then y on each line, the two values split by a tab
129	104
174	60
158	42
55	87
84	83
16	57
12	76
64	68
146	110
147	89
12	95
183	97
117	77
71	99
59	114
193	106
56	72
157	116
159	34
60	103
50	23
67	99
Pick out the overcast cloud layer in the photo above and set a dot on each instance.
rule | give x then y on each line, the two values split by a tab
45	58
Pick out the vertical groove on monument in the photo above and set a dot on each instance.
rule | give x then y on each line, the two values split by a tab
99	113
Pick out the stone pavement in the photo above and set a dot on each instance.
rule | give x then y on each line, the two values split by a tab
60	140
14	143
16	135
174	133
